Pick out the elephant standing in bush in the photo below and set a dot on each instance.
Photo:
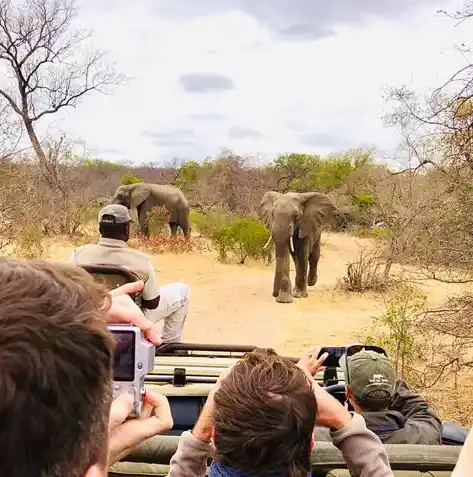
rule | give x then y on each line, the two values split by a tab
295	221
142	197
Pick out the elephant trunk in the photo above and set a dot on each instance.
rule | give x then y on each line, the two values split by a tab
281	275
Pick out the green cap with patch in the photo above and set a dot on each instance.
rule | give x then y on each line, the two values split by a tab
368	373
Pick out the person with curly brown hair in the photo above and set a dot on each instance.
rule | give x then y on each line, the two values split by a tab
259	421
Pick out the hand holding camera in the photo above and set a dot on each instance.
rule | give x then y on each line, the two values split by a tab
125	434
134	358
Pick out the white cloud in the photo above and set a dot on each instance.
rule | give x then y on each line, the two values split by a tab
326	93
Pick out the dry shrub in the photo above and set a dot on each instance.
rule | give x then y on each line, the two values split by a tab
158	219
364	274
30	243
432	349
175	245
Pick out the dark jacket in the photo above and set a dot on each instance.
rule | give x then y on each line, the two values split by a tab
408	420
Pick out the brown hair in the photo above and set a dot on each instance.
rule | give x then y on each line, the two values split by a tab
55	370
264	416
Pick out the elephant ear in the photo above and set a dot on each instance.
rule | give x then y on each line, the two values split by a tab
266	208
138	194
318	209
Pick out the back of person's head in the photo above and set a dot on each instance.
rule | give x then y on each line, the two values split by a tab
114	222
370	378
55	371
264	416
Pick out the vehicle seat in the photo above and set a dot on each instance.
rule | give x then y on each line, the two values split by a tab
114	276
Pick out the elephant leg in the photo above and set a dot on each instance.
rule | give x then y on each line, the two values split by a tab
313	263
143	219
301	260
174	227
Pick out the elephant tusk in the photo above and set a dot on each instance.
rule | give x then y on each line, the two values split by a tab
267	243
291	244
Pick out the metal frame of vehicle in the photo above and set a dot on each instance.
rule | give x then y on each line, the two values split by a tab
186	381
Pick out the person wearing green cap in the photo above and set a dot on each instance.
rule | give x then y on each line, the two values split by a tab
391	410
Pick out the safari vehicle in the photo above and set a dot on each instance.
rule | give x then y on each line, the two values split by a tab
187	379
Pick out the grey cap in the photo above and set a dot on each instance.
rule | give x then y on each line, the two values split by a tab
115	214
369	371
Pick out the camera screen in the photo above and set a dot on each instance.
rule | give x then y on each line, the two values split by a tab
124	360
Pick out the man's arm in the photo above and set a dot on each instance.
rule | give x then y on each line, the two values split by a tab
194	448
362	450
423	426
150	294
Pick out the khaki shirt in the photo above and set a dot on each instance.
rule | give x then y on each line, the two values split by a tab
115	252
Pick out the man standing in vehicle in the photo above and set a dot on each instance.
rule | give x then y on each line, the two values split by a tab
391	410
169	303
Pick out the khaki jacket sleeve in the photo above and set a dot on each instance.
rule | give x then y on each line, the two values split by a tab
190	459
362	450
151	288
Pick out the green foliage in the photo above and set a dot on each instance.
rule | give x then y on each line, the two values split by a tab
364	201
396	328
311	172
209	223
188	174
380	233
245	237
102	164
131	179
224	241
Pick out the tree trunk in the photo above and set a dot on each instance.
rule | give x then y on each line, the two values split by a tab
35	141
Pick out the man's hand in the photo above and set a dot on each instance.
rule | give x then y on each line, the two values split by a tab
310	363
330	412
125	310
125	435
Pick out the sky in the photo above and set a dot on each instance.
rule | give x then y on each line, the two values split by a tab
258	77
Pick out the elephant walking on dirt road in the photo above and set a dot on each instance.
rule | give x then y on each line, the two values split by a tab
142	197
295	221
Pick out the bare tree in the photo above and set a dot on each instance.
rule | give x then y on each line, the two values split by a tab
48	69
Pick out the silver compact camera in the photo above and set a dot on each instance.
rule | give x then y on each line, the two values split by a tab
133	360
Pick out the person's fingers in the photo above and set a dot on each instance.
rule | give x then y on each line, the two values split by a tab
320	361
128	288
161	407
120	409
125	310
314	352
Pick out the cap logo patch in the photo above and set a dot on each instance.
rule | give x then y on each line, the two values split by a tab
379	379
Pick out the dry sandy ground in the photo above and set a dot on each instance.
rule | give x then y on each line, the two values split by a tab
231	303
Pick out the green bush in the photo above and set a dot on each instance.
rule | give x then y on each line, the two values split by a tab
131	179
397	329
208	224
245	237
224	241
364	201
